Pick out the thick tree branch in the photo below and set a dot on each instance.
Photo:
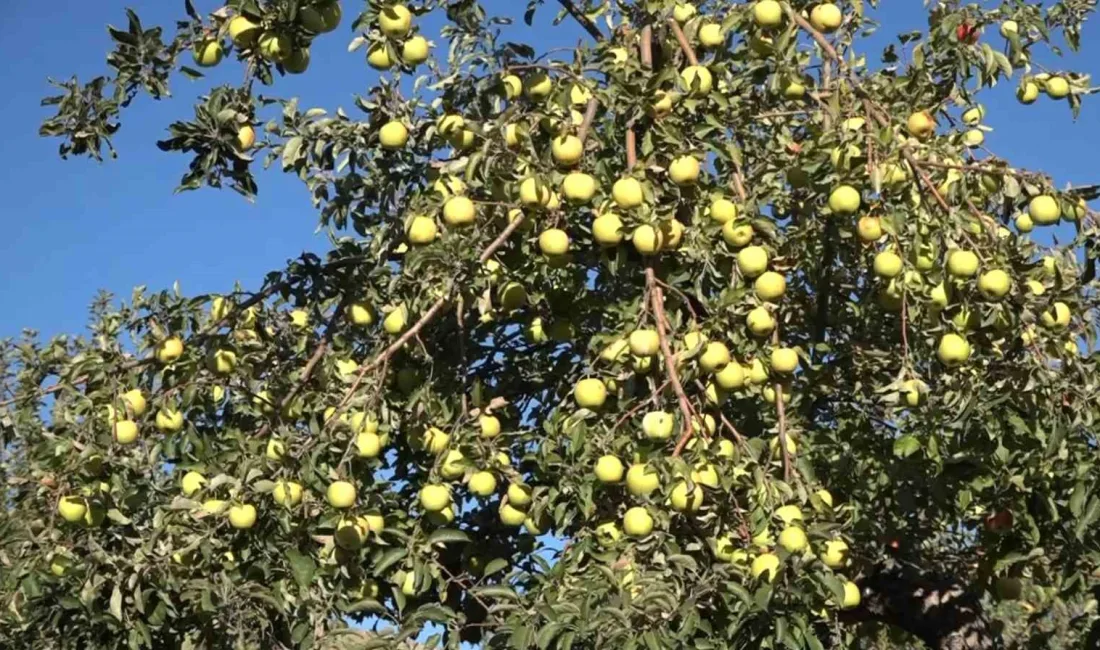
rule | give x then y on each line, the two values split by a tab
683	41
584	20
657	302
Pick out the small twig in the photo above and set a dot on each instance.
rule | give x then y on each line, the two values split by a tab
781	414
904	327
729	425
584	20
684	296
818	37
657	300
684	44
652	399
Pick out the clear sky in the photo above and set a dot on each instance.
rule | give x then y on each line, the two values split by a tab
70	228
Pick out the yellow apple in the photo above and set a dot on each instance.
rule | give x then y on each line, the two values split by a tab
170	349
1058	316
752	261
826	17
607	229
962	264
435	440
214	506
766	565
242	516
72	509
566	149
1044	210
125	432
711	35
627	193
835	554
511	516
697	79
793	539
321	17
730	377
554	242
287	493
243	31
887	264
435	497
662	103
657	425
512	85
770	286
784	360
973	138
921	124
973	116
538	86
482	483
851	596
789	513
207	53
869	229
275	46
378	57
192	482
169	420
767	13
490	426
395	21
340	494
1057	87
534	192
953	350
845	199
519	495
637	522
393	135
579	188
609	469
297	61
453	466
644	342
395	321
723	211
275	450
684	500
714	357
642	479
760	321
415	50
994	284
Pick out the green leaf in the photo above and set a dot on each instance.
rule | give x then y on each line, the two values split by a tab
302	567
445	535
906	446
116	603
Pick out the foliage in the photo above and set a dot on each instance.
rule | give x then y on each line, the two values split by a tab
931	419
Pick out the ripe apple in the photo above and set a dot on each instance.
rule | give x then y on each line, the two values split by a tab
415	50
590	393
835	554
512	86
609	469
519	495
657	425
967	33
962	264
722	210
648	240
680	497
368	445
435	441
973	116
921	125
1044	209
321	17
453	466
435	497
826	17
538	86
221	361
760	321
794	89
1058	316
637	522
698	80
60	565
421	230
1000	521
125	432
1010	28
752	261
192	482
644	342
914	391
770	286
784	360
1028	92
953	350
72	508
482	483
169	420
683	12
766	565
459	211
789	513
627	193
207	53
395	21
793	539
994	284
711	35
534	192
973	138
170	349
566	149
1024	222
706	475
275	46
243	516
275	450
511	516
869	229
395	321
684	170
287	493
844	200
378	57
299	318
851	596
715	356
579	188
607	229
214	506
393	135
1057	87
887	264
642	479
730	377
608	533
554	242
767	13
736	234
490	426
662	103
340	494
242	31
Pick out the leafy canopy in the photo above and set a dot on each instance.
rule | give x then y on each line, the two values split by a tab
703	334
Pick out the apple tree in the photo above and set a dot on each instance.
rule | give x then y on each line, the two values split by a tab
717	331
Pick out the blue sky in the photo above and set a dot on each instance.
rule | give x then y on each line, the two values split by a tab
73	227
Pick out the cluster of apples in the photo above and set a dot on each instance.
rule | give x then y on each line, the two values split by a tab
395	23
285	45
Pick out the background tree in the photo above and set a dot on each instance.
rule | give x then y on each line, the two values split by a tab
707	333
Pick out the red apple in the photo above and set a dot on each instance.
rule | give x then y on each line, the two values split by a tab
967	33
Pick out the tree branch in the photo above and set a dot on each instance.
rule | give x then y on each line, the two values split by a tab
657	301
684	44
584	20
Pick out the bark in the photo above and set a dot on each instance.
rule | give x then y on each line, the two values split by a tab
940	611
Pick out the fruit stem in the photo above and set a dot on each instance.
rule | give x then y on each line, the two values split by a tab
684	45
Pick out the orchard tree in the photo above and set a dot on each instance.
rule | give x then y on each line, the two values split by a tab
711	332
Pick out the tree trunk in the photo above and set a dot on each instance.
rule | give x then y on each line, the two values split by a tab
940	611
